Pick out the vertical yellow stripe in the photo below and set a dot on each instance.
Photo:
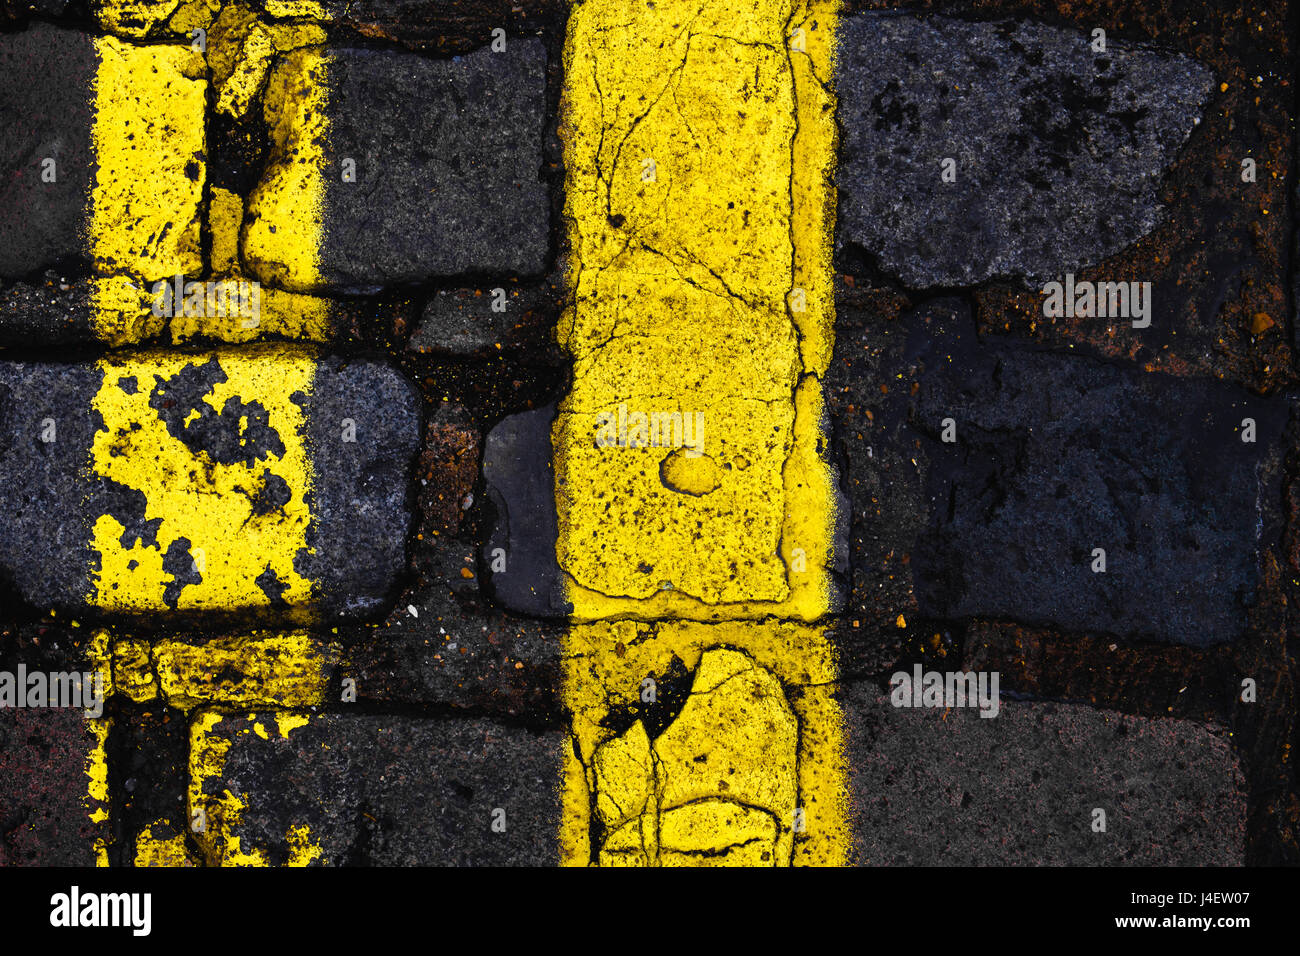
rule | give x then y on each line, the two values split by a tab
697	148
149	142
285	220
699	145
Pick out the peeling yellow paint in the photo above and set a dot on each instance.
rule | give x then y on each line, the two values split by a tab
303	849
290	315
207	509
698	208
133	18
718	785
121	310
248	72
97	799
284	223
160	845
699	147
215	815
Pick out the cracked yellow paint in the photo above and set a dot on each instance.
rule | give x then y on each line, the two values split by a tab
698	148
249	72
698	794
214	815
284	223
758	738
699	145
205	508
97	800
149	141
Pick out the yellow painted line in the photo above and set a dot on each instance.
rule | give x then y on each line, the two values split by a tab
699	146
149	142
284	223
207	507
149	146
242	46
273	671
98	801
150	103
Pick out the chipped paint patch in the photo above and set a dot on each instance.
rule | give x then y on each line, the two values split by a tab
742	732
160	845
133	18
205	455
215	812
686	298
133	674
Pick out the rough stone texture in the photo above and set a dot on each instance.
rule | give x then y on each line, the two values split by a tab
1058	455
151	746
1059	150
396	791
22	9
448	157
929	787
443	645
1219	259
44	522
868	397
45	112
44	813
359	496
885	342
448	470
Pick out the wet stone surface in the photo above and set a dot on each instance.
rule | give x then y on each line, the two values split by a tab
1057	456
